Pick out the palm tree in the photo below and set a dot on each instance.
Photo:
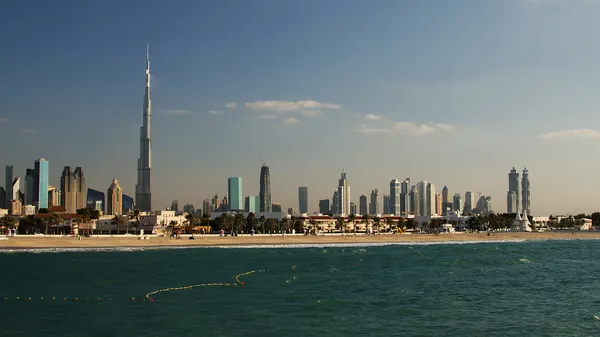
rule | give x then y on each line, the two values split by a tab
117	220
54	221
191	221
389	222
377	222
366	220
250	220
352	218
238	222
313	225
262	220
136	217
342	224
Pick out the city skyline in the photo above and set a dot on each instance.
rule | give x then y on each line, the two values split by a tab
323	100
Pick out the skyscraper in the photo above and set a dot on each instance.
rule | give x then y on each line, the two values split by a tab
8	191
395	201
40	188
374	205
405	196
143	189
526	193
457	203
386	204
265	189
252	203
303	199
513	186
438	204
236	198
29	186
422	189
73	191
114	198
324	206
352	208
95	199
206	207
175	206
345	195
469	202
362	205
16	189
430	210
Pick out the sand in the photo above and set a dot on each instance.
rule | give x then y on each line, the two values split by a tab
25	242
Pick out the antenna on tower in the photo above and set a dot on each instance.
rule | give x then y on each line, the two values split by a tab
147	51
261	159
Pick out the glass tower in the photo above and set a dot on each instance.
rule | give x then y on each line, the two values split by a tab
236	200
41	187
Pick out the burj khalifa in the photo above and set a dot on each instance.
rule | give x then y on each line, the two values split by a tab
143	190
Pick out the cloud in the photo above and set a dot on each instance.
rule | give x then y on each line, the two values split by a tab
268	116
177	112
30	131
231	105
311	113
3	119
290	121
404	128
574	133
214	112
285	106
372	117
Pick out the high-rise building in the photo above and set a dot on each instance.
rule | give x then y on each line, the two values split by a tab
265	189
236	198
276	208
430	199
484	205
335	202
114	198
54	196
175	206
15	207
303	199
206	207
513	186
73	191
362	205
189	209
216	203
386	204
344	195
469	202
2	196
29	186
438	204
95	199
252	204
422	189
457	203
8	191
225	204
324	206
352	208
374	204
16	189
395	201
127	204
143	189
415	200
447	203
405	196
526	192
511	202
40	188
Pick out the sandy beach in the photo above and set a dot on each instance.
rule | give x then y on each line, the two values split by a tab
27	242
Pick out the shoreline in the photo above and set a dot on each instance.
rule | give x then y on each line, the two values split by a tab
110	242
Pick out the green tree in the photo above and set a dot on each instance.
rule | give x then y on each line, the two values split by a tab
341	224
191	221
136	217
352	218
313	226
250	221
238	222
118	220
262	222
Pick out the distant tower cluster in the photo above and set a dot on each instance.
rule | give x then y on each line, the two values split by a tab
518	202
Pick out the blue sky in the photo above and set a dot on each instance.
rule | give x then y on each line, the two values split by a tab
453	92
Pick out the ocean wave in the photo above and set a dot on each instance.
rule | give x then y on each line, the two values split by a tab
257	246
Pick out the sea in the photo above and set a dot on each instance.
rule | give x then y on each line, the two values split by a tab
501	288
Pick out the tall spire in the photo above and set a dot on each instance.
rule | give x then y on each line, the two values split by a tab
143	191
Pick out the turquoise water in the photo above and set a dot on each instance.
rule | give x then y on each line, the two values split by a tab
549	288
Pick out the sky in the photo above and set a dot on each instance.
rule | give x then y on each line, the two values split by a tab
452	92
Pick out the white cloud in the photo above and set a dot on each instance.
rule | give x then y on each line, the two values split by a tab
231	105
285	106
574	133
372	117
290	121
311	113
177	112
214	112
404	128
29	131
3	119
268	116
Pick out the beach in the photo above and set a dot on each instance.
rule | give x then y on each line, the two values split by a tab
32	242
